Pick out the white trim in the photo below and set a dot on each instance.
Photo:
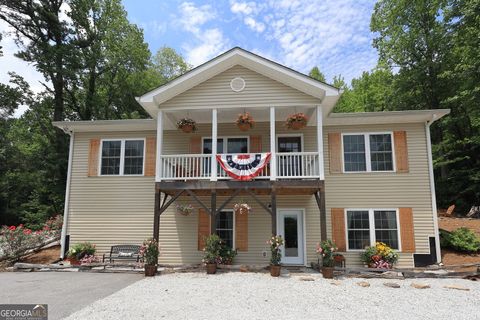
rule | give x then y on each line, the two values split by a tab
159	149
368	160
273	146
213	162
122	157
67	196
286	135
432	188
304	237
372	227
321	169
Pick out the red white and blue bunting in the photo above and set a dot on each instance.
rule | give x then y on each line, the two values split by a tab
243	167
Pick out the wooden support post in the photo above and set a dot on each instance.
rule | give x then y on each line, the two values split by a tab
213	212
274	212
320	197
156	216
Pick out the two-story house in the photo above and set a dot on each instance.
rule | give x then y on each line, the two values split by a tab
354	178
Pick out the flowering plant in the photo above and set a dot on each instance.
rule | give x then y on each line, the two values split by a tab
213	247
275	243
150	251
326	250
80	250
245	119
89	258
241	208
182	124
379	256
296	121
184	209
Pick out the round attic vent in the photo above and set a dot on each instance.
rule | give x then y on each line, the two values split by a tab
237	84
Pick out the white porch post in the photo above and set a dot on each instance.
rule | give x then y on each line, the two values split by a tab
273	146
213	159
321	170
158	163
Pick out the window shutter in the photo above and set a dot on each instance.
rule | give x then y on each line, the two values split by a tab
241	231
203	228
335	152
338	229
255	144
401	151
150	154
93	157
407	233
195	144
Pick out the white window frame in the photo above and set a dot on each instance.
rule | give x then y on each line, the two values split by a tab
225	143
289	135
122	157
372	228
368	160
233	229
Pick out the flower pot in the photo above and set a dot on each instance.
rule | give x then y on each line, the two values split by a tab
74	262
211	268
150	270
243	126
275	270
187	128
327	272
297	125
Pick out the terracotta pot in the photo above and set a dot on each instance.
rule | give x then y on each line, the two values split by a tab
211	268
327	272
74	261
150	270
243	126
275	270
297	125
187	128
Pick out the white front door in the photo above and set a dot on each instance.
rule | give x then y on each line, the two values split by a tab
290	227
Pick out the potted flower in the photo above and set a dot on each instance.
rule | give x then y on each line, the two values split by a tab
227	254
211	253
184	209
150	251
275	243
245	121
79	251
241	208
296	121
326	250
379	256
187	125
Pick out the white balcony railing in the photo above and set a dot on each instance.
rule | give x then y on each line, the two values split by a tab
292	165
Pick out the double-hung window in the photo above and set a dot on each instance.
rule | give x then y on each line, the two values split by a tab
122	157
225	227
368	152
367	226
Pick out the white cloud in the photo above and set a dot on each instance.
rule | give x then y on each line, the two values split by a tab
254	25
205	42
245	8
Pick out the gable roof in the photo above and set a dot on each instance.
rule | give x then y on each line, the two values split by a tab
328	94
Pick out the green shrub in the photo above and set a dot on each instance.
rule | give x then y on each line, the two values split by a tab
445	238
80	250
464	239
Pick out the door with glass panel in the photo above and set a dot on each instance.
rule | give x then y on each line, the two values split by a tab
290	227
289	165
231	145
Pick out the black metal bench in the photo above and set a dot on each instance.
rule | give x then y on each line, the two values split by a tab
123	252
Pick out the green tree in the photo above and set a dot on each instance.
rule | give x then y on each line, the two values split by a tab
316	74
169	64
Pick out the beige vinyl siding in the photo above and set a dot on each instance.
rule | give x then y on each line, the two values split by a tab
386	190
259	91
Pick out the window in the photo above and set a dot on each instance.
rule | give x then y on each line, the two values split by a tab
367	152
367	226
225	225
122	157
227	145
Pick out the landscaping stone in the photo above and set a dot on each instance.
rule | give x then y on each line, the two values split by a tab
306	279
391	285
336	283
244	268
456	287
364	284
418	285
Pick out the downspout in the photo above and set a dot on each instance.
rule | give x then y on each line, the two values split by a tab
67	194
432	187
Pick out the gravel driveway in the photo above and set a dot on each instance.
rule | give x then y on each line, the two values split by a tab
259	296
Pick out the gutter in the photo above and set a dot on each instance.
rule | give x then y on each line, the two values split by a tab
67	193
432	186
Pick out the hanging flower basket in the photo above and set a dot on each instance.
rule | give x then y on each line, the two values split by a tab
187	125
296	121
245	121
241	208
184	209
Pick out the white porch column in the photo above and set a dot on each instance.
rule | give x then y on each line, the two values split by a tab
273	146
213	159
158	162
321	170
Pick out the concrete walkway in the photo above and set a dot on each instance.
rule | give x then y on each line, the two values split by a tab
64	292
